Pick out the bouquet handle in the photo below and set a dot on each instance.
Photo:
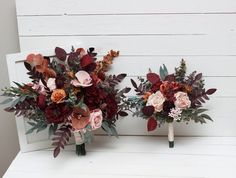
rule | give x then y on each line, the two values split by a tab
171	134
79	143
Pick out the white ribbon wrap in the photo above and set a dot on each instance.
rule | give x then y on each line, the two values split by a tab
79	137
171	132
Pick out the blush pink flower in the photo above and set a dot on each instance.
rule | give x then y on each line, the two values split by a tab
39	87
51	84
96	119
156	100
83	79
182	100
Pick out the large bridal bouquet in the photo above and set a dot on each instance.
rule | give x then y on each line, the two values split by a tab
165	98
70	93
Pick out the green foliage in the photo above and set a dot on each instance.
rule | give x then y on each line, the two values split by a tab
163	72
180	71
109	129
196	115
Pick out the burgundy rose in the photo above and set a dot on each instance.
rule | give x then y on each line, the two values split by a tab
41	101
57	113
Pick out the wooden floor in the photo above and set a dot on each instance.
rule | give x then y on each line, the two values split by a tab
134	157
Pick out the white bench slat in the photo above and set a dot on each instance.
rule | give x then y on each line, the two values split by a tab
54	7
127	24
142	45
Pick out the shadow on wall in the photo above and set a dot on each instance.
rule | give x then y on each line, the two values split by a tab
8	44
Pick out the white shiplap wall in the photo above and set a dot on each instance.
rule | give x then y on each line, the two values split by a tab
148	33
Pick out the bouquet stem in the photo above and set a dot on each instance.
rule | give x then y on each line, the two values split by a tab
79	143
171	135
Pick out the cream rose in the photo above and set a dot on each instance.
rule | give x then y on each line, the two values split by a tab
83	79
156	100
51	84
96	119
182	100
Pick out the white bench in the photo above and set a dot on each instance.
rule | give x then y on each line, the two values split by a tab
148	33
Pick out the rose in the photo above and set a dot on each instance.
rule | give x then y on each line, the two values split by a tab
83	79
58	95
96	119
51	84
156	100
182	100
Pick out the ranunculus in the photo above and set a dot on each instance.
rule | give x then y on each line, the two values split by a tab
96	119
57	113
182	100
156	100
35	60
58	95
83	79
51	84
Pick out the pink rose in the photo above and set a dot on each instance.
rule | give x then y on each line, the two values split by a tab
156	100
182	100
51	84
83	79
96	119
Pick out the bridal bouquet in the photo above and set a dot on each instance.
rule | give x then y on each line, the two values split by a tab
70	93
165	98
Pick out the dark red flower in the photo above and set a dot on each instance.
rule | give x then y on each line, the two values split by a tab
168	89
93	97
41	102
86	60
111	106
57	113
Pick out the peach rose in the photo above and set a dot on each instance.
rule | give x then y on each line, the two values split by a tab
96	119
83	79
182	100
51	84
58	95
156	100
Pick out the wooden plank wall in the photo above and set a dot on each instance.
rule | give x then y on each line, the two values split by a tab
148	33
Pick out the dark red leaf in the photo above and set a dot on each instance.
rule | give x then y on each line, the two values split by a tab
121	76
152	124
153	78
133	83
123	113
198	76
56	152
170	78
86	60
60	53
27	66
126	90
148	110
211	91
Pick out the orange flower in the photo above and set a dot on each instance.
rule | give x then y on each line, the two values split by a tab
41	65
146	95
58	95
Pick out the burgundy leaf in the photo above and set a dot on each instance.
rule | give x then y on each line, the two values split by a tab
127	90
153	78
133	83
56	152
123	113
152	124
60	53
148	110
170	78
211	91
198	76
27	66
121	76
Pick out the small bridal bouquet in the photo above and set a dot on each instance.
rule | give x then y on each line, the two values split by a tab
167	98
70	93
